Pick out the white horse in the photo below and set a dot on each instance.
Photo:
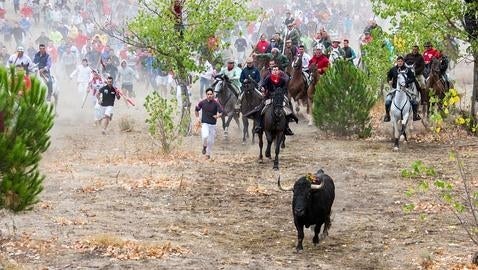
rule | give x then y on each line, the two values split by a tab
401	111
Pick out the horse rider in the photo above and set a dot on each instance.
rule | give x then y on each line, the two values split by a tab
44	61
335	52
248	72
444	62
233	74
281	60
349	52
277	79
319	59
20	59
392	78
416	59
428	55
305	62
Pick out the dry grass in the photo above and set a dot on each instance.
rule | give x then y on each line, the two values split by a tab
126	124
118	248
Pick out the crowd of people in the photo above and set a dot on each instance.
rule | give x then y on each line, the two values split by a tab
75	48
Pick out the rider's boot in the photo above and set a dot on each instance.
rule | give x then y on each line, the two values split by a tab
287	130
252	113
387	113
293	118
416	117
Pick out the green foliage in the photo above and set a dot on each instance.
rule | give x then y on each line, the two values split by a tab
378	58
463	207
417	21
161	122
342	101
157	28
27	119
417	170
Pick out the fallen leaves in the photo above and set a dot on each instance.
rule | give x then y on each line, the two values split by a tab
118	248
257	190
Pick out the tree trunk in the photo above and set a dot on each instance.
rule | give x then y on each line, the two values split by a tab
474	95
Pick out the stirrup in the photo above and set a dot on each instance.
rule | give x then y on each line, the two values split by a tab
288	132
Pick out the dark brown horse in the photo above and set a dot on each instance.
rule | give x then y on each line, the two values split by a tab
314	75
437	84
297	86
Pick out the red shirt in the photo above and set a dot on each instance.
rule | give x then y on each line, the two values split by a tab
26	11
322	63
81	40
261	46
429	54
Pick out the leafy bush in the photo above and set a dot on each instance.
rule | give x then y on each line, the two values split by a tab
342	101
26	119
461	201
162	113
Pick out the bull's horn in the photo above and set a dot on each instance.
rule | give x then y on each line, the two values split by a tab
280	187
319	186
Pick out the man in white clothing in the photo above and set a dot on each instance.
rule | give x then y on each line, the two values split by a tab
20	59
83	76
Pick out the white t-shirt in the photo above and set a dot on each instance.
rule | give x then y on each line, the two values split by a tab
24	60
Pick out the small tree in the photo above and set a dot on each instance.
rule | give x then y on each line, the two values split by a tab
462	202
27	118
342	101
161	120
377	57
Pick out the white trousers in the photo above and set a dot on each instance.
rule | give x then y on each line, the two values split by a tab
208	134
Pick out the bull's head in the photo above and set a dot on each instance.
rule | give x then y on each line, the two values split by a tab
302	189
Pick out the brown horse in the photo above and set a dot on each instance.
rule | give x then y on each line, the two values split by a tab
297	86
289	53
262	64
314	75
437	83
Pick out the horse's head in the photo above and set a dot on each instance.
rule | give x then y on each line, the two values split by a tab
435	66
411	67
297	63
249	86
401	80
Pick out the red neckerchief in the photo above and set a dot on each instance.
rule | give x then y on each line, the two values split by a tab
275	78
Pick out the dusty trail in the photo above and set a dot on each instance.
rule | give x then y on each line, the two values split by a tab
226	213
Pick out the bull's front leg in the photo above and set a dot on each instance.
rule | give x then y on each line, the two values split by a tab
300	237
315	240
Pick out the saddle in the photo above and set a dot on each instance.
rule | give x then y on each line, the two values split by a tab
285	106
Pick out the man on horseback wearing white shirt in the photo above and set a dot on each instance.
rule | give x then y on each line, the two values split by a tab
20	59
233	74
392	78
305	62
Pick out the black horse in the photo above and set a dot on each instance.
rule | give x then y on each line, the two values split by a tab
251	98
275	122
227	97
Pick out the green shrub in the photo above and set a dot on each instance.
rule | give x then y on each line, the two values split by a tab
162	117
27	118
342	101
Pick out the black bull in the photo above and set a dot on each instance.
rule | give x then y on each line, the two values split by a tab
312	205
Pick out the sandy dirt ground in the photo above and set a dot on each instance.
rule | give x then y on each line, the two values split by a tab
112	202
